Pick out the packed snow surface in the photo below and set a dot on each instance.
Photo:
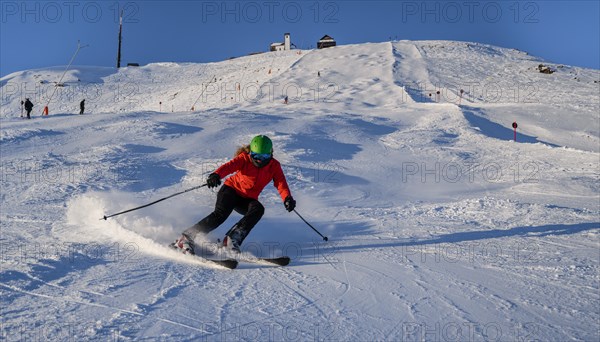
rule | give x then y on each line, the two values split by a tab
441	227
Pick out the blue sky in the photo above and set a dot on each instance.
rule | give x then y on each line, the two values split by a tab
38	34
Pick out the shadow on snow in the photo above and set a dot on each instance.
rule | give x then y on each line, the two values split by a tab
497	131
528	231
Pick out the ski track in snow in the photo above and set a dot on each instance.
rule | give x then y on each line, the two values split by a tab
441	228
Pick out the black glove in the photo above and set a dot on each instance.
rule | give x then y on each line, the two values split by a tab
213	180
289	203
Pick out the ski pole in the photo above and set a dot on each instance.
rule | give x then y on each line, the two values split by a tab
310	225
149	204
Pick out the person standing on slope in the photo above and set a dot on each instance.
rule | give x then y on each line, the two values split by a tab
254	168
28	107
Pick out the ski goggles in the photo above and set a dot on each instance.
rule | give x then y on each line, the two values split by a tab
260	156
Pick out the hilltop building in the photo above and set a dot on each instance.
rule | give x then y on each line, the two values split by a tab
286	45
325	42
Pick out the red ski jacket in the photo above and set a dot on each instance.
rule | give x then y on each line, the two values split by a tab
249	180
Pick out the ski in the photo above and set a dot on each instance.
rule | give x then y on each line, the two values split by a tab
217	248
227	263
246	257
280	261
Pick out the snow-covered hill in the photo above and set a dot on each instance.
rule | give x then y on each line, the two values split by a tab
441	227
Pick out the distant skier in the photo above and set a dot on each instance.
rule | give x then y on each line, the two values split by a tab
285	100
22	103
254	167
28	107
81	106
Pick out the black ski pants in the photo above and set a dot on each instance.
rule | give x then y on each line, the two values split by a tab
227	201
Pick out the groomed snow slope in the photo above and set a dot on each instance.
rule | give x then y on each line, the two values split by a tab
441	227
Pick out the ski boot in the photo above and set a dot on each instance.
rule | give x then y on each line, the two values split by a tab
233	240
185	244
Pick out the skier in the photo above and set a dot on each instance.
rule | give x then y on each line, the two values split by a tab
254	168
22	103
81	106
285	100
28	107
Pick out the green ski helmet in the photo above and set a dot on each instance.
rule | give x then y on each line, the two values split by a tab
261	144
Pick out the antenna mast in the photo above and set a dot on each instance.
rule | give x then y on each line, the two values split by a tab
120	33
